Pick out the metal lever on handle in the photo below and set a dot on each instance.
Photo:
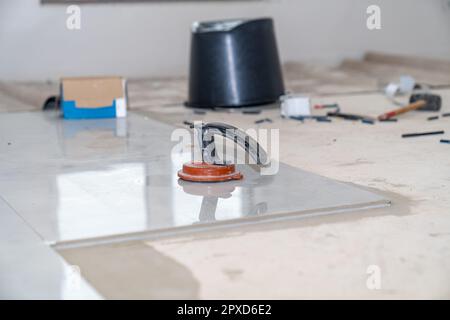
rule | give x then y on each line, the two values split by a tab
206	131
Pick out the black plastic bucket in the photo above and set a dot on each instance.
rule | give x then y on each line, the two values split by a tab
234	63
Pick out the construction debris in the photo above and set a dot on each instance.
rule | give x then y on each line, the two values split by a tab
263	120
349	116
317	118
389	120
367	121
257	111
419	134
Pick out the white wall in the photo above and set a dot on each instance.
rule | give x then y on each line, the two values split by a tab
152	39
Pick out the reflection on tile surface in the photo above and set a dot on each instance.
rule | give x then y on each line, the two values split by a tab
29	269
74	180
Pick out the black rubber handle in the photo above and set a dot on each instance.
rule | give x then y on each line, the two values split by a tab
206	135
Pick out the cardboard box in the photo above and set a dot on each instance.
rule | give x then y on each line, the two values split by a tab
93	97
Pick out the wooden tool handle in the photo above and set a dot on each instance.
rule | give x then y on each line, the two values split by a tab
413	106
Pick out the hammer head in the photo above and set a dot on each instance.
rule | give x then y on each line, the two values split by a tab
433	101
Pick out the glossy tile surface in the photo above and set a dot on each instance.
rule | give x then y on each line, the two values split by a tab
73	180
29	269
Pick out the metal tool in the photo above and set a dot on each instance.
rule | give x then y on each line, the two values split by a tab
213	169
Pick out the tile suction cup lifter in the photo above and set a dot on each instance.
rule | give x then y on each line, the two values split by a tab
212	168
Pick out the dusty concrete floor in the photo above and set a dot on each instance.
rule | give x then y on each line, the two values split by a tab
325	257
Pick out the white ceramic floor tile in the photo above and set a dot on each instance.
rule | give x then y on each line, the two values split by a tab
29	269
73	180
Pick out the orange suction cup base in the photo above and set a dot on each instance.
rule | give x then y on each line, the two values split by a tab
204	172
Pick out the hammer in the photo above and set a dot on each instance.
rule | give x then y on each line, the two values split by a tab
434	101
423	101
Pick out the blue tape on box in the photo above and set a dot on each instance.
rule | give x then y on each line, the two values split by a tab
70	111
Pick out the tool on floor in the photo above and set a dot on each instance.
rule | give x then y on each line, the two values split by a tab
417	91
433	101
419	134
396	112
213	169
445	141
